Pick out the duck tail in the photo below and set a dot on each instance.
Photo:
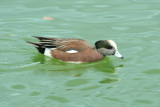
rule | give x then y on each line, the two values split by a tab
39	47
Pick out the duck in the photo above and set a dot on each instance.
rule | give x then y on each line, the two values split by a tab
75	50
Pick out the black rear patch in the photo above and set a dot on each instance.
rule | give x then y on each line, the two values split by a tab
40	48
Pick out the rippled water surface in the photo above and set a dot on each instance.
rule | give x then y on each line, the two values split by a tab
29	79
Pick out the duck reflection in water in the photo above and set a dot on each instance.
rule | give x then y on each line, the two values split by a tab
104	65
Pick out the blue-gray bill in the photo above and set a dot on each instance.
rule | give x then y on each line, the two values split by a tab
117	54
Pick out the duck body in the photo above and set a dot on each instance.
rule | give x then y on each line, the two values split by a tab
71	50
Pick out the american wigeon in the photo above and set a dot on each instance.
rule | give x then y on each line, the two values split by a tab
76	50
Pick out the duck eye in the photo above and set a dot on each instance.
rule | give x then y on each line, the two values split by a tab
109	47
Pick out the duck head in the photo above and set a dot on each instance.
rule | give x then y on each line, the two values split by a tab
107	47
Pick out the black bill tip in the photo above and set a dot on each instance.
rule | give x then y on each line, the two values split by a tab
122	57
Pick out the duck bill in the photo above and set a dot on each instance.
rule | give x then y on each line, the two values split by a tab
117	54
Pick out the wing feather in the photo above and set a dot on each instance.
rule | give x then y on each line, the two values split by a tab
63	44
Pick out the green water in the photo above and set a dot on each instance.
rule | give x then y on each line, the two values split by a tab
29	79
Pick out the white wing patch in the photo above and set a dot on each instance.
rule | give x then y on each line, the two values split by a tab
47	51
74	62
72	51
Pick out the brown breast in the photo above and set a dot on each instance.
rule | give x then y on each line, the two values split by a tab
87	55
